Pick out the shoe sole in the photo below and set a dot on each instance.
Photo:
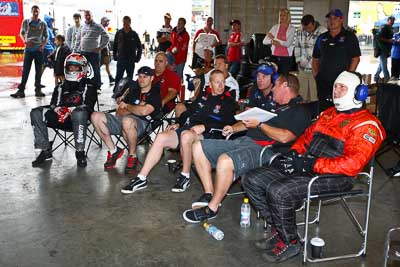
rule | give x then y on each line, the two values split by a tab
197	205
177	190
123	191
191	221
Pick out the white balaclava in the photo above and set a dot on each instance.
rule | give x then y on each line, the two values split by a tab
347	101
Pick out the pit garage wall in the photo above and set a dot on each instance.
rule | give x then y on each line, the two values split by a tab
260	15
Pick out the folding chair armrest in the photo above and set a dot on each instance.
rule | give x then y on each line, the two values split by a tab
262	153
240	133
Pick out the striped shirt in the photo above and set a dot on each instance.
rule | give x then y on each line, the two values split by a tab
304	44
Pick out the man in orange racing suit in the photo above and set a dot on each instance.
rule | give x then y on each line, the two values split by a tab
342	141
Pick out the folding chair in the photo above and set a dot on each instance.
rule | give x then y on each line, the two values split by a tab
388	103
390	254
363	189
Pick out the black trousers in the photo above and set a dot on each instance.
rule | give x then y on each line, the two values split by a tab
395	67
277	196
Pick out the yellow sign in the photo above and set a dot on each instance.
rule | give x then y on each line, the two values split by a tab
7	39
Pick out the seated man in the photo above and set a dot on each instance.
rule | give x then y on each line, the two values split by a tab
233	158
213	110
135	109
341	141
70	107
167	81
231	85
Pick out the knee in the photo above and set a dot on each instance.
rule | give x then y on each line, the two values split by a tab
187	137
35	112
162	139
128	123
225	162
96	117
197	149
79	114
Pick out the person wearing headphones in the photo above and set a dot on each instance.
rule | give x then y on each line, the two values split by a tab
342	141
233	158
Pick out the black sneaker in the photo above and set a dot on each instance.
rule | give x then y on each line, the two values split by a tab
135	185
202	201
112	158
395	171
43	156
199	215
282	251
132	165
39	93
182	183
81	159
18	94
269	242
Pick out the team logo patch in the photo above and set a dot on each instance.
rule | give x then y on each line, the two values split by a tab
342	39
344	123
369	138
217	109
372	132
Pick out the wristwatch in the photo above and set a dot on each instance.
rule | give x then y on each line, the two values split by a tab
259	125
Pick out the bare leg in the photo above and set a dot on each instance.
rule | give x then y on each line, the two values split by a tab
187	140
223	180
99	121
203	167
129	132
163	140
108	69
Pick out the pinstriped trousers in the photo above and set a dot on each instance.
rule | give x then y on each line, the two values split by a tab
277	196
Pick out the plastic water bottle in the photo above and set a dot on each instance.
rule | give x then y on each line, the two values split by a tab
213	231
245	213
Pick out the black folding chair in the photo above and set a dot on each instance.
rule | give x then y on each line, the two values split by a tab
388	103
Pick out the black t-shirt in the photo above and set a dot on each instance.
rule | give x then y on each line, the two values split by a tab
387	33
335	53
211	111
152	97
293	117
257	99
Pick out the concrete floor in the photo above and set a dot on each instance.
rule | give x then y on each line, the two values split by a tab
60	215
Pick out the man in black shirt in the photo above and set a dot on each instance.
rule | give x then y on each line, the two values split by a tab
127	50
233	158
137	107
164	34
335	51
214	109
385	41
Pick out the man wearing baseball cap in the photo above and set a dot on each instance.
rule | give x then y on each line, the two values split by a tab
233	158
335	51
164	34
136	108
105	55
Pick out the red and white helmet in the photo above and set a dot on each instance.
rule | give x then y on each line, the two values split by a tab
76	67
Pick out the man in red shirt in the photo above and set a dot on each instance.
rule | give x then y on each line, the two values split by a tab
234	45
179	47
167	80
205	38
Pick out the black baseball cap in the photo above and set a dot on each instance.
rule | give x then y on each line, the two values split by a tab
146	71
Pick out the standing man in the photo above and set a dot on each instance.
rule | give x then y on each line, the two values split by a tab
105	56
234	45
92	38
164	34
335	51
206	38
385	38
72	32
34	35
304	44
179	46
127	50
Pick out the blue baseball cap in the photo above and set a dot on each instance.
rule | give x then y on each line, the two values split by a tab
334	12
266	69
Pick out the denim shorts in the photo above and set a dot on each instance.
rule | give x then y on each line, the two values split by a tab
244	152
114	124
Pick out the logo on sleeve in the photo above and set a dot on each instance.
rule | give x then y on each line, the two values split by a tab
369	138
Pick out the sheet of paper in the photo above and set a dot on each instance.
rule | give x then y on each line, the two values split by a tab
255	113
